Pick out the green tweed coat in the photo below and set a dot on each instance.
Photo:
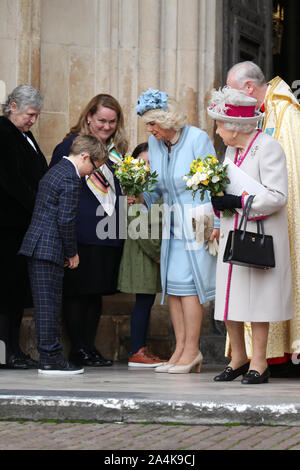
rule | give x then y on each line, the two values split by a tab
139	271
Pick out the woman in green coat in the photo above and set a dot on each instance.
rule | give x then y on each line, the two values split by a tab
139	274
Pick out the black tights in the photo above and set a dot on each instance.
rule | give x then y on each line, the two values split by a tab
81	315
139	321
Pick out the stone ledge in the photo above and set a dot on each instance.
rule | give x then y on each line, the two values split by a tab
136	408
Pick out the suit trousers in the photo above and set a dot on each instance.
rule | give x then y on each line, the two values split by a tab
46	279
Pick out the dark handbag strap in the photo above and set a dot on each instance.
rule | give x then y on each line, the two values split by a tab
245	216
246	211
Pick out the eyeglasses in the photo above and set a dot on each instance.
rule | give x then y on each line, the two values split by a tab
94	166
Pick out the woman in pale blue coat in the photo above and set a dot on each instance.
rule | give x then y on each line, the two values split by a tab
188	270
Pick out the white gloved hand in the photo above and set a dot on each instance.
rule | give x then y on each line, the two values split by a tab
212	247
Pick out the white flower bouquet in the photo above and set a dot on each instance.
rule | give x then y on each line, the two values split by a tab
207	175
135	176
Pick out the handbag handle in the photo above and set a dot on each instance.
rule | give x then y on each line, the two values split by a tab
246	211
244	218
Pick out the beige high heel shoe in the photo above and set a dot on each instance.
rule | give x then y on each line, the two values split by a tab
164	367
194	366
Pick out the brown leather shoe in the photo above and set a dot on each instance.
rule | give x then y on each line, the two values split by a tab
143	358
151	354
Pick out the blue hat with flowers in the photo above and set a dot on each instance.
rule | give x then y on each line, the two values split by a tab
151	99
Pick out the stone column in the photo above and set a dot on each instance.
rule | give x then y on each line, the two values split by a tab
2	91
20	44
128	62
28	57
68	65
210	57
148	69
190	53
105	54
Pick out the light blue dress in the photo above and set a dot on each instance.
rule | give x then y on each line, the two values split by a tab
186	267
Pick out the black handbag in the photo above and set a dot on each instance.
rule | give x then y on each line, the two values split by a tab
250	249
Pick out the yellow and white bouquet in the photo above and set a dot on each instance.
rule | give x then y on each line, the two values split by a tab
135	176
207	175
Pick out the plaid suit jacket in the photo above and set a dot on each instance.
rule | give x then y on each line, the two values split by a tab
52	232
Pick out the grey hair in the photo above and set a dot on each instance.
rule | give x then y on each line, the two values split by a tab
171	118
244	71
240	127
23	96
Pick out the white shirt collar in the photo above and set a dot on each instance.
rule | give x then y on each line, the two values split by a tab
30	141
74	166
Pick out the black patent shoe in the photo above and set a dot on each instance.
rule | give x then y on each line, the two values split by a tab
32	364
254	377
15	362
81	358
99	360
229	373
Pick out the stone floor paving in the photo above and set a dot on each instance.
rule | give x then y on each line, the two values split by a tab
29	435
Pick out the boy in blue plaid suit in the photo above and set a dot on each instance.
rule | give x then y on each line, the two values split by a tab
50	244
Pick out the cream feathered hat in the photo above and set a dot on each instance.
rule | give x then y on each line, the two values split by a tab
231	105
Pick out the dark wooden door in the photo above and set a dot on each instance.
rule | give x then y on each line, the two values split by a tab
247	34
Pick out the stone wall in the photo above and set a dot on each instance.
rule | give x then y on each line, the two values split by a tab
20	44
75	49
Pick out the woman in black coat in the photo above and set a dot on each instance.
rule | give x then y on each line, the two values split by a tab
22	165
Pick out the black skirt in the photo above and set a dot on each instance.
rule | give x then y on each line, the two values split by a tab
97	272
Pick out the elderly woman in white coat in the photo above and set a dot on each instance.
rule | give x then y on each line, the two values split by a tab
245	294
187	271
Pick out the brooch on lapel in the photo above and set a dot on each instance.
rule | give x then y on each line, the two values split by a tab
253	151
